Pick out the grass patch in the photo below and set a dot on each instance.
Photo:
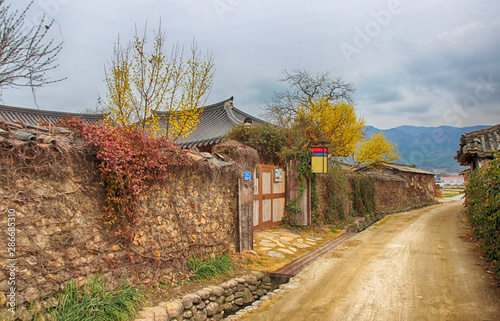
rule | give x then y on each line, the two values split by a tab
96	300
211	267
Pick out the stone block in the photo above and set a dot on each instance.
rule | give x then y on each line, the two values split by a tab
247	296
212	308
200	315
258	274
204	294
189	299
217	290
250	279
228	306
174	309
154	313
220	299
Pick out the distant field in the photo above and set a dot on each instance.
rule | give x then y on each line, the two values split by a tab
453	190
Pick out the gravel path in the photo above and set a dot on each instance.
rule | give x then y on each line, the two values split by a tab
411	266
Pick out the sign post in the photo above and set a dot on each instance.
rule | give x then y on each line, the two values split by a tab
319	160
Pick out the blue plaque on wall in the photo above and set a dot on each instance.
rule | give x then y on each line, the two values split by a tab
247	176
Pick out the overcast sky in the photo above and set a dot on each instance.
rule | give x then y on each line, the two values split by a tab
424	63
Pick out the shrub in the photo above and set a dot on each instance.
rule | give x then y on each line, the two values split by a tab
205	269
96	300
363	194
336	195
482	207
130	161
268	140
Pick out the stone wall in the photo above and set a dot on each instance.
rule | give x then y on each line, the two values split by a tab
393	191
402	189
59	237
214	302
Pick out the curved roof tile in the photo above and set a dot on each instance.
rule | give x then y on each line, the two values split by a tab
215	121
34	117
482	143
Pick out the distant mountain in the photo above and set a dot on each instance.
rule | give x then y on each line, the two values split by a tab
429	148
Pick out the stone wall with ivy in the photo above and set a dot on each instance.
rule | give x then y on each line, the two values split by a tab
59	235
344	196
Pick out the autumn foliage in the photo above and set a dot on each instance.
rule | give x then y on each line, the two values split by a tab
155	89
335	123
375	150
130	161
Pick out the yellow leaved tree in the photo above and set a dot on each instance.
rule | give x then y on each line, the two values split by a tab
158	90
334	123
375	151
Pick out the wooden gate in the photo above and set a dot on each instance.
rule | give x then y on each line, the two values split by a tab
269	196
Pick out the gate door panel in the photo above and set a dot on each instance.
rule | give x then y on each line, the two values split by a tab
269	195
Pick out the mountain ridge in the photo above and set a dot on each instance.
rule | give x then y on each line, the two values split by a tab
429	148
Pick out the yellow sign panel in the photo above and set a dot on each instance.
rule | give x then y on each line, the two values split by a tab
319	160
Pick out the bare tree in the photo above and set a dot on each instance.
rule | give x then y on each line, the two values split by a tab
25	56
304	87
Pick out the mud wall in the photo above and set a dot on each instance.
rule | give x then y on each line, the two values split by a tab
392	191
399	190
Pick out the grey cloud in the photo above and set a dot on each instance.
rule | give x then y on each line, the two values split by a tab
418	68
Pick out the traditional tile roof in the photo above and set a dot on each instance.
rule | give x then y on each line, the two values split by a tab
481	143
398	168
215	121
35	117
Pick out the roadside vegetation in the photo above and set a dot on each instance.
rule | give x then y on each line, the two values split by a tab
482	207
97	299
209	268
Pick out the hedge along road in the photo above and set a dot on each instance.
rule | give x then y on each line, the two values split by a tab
412	266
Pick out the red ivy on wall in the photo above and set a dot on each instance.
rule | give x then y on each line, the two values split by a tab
130	161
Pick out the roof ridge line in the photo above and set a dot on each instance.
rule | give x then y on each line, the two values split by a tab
43	111
211	106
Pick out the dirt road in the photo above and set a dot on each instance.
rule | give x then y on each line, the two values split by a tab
412	266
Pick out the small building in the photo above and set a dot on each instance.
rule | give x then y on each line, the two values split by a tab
214	122
479	147
36	117
401	185
454	181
